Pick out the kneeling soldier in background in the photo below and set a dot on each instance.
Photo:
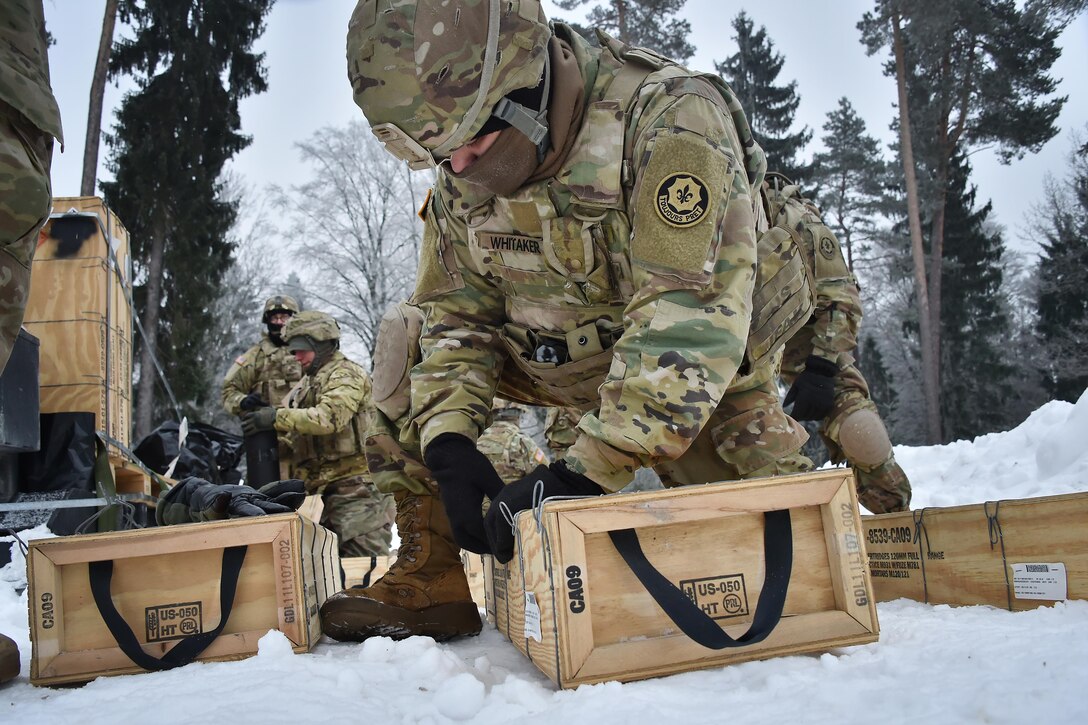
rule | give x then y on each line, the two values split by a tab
323	423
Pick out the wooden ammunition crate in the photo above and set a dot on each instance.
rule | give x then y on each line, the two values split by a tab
1015	554
166	584
79	309
362	571
570	602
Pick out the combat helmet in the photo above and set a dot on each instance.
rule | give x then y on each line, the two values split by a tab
279	303
428	74
307	330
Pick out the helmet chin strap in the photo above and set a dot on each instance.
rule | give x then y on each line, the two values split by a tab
534	124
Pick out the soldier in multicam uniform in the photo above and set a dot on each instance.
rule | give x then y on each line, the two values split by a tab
513	453
29	121
324	421
561	429
818	362
266	372
551	153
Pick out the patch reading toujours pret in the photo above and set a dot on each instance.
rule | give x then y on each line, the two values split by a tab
173	621
720	597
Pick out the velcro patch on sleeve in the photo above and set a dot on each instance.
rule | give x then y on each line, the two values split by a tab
681	189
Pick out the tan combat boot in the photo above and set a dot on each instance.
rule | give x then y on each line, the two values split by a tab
9	659
425	592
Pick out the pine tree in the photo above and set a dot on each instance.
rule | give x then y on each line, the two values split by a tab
850	174
968	73
977	393
648	23
752	73
1062	323
882	389
192	62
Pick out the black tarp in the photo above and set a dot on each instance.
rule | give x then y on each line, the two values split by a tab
209	452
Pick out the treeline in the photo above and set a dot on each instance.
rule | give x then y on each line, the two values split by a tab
961	337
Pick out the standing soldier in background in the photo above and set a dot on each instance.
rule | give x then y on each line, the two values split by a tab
324	421
266	372
29	121
513	453
818	363
561	429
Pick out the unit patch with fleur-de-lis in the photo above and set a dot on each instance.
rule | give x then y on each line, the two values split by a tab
682	200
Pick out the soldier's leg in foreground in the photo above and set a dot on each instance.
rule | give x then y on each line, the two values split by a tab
854	433
425	592
9	659
25	155
748	436
360	515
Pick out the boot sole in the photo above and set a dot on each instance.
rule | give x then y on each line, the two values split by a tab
354	619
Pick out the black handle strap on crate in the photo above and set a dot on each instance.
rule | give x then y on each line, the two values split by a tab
693	621
188	649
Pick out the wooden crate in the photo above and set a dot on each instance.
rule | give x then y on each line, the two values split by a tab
570	603
92	375
364	571
474	571
79	308
1015	554
166	585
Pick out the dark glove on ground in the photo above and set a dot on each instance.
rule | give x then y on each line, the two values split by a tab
813	392
289	492
464	477
173	505
194	499
232	501
556	480
252	402
258	420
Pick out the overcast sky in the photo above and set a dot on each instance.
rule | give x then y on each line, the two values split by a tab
308	88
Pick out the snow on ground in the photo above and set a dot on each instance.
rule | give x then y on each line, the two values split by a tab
932	663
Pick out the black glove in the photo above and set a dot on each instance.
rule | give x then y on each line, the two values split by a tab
252	402
194	499
289	492
173	505
813	392
464	477
258	420
229	500
555	480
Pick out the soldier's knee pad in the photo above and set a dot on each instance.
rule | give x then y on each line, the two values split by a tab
864	439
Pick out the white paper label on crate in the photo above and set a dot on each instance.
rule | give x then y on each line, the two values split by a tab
1039	581
532	617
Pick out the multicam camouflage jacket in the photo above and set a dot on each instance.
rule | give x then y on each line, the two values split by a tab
24	67
324	423
561	429
832	331
621	286
513	453
265	368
